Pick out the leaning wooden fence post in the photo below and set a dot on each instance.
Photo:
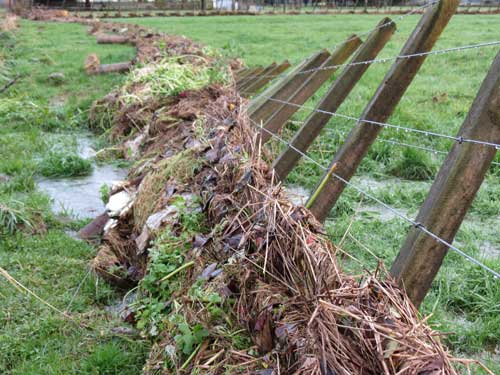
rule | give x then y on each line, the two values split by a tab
261	100
250	77
452	192
269	106
253	79
302	93
335	96
381	106
265	79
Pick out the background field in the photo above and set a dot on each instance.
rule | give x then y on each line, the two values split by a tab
464	300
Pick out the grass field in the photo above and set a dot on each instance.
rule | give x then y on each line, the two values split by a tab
35	340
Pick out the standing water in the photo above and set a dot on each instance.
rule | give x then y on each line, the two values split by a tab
80	197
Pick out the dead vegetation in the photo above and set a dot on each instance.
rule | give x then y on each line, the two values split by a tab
229	276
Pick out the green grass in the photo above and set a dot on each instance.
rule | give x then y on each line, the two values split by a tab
62	164
464	300
34	245
34	340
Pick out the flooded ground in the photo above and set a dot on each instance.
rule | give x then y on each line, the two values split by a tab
80	197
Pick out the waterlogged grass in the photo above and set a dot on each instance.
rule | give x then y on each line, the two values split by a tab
34	245
35	340
464	299
62	164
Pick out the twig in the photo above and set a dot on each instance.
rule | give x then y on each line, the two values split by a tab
9	84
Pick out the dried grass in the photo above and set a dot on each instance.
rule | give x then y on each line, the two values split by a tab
279	276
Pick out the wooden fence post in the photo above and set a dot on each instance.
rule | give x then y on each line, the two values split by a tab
268	106
251	80
381	106
248	72
335	96
250	77
264	80
281	115
452	192
261	100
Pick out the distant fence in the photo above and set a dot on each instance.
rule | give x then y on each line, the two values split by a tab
462	173
254	7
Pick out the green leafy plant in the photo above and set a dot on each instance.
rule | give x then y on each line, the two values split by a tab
414	165
13	216
105	190
63	164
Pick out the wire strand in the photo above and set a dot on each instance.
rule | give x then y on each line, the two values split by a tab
387	59
419	226
458	139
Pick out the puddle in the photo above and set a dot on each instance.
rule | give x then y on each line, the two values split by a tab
489	250
297	194
371	184
79	197
381	213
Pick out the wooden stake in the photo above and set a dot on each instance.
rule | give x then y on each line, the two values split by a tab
265	108
251	77
386	98
264	80
452	192
316	79
249	73
335	96
255	78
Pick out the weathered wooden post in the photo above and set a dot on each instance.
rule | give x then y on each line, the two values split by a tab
250	77
307	88
335	96
254	78
381	106
452	192
265	79
264	107
246	73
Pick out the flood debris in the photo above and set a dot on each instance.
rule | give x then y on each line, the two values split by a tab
230	275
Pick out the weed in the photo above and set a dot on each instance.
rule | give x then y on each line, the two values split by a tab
104	190
414	165
62	164
168	78
12	217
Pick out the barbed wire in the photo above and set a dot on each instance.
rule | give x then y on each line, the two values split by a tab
390	141
384	59
367	32
415	224
459	139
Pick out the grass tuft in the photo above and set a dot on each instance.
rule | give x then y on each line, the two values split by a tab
414	165
62	164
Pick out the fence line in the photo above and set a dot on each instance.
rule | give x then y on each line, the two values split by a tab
390	141
392	58
415	224
458	139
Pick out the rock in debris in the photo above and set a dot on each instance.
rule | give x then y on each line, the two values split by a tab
118	203
56	78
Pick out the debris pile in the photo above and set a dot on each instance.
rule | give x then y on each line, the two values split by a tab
8	22
227	274
231	276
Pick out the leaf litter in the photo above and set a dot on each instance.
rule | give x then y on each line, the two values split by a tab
229	275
